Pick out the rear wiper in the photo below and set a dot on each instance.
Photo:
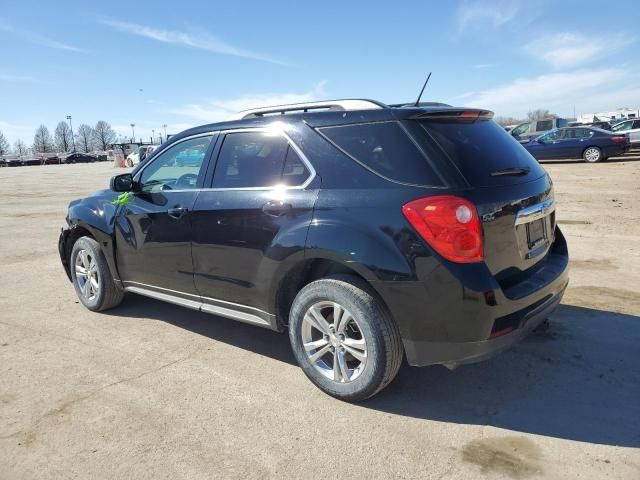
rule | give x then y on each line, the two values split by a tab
511	171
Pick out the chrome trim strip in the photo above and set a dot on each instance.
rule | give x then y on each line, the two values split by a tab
161	288
534	212
183	302
201	306
235	315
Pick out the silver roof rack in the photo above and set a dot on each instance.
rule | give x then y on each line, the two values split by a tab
326	105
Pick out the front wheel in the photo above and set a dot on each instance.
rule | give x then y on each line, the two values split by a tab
91	277
344	339
592	155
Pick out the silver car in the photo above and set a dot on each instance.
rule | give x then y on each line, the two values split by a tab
631	127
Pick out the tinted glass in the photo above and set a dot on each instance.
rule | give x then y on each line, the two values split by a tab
551	136
177	168
636	124
250	159
384	148
543	125
480	148
294	171
524	128
622	126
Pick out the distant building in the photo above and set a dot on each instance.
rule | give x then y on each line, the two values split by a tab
619	114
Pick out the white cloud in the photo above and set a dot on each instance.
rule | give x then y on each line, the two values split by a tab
479	14
37	39
566	50
586	89
199	40
13	132
217	110
8	77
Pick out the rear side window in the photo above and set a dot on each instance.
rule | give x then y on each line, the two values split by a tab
258	159
386	149
481	148
544	125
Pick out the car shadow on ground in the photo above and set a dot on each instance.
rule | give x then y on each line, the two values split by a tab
579	381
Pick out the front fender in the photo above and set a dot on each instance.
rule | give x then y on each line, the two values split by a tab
94	215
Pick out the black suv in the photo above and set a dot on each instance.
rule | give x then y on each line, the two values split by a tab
369	232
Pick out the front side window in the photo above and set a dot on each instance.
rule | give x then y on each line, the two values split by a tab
524	128
551	136
177	168
258	160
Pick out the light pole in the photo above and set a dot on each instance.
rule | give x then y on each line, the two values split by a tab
133	132
153	137
73	139
164	127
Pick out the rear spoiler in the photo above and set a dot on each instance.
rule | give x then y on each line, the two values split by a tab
464	115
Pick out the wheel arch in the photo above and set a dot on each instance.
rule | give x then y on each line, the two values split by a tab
308	270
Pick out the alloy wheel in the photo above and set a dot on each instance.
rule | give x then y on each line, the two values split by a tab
87	278
592	154
334	342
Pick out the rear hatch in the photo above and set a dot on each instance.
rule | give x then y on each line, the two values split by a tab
512	192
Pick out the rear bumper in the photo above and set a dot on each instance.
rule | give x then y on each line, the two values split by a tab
462	314
421	353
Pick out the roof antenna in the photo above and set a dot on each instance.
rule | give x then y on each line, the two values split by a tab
422	91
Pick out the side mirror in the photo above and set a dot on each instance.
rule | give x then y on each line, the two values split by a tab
122	183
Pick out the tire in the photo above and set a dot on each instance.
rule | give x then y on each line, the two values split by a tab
102	293
364	327
592	154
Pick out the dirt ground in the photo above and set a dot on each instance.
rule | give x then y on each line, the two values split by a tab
150	390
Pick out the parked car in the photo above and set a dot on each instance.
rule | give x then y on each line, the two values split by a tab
591	144
140	154
602	125
13	162
527	130
78	157
370	233
31	161
631	128
51	160
189	158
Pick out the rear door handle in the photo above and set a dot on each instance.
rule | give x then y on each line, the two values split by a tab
276	209
177	212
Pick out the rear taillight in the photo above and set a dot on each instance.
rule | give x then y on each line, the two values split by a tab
450	225
619	139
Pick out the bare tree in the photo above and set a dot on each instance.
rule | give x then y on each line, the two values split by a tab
103	135
4	145
504	121
20	148
540	114
84	138
63	137
42	142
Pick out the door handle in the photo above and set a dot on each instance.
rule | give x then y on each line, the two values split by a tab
276	209
177	212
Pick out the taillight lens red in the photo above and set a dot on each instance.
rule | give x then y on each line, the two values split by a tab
619	139
450	225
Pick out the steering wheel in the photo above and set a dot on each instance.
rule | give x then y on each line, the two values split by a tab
188	180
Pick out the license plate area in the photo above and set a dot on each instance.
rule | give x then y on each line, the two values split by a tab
536	233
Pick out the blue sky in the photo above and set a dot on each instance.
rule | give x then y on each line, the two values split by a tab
196	62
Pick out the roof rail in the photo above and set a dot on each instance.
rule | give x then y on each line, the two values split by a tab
355	104
421	104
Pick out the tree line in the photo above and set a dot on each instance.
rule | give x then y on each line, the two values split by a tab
86	139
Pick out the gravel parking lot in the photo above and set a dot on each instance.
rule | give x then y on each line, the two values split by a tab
151	390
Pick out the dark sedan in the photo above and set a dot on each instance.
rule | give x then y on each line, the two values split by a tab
590	144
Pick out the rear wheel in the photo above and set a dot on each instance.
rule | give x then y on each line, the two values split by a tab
592	154
343	338
91	277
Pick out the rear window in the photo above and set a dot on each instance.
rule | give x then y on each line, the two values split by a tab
384	148
481	148
544	125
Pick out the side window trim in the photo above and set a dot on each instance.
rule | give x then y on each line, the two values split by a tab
206	160
208	185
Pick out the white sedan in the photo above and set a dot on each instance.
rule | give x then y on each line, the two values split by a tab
631	127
